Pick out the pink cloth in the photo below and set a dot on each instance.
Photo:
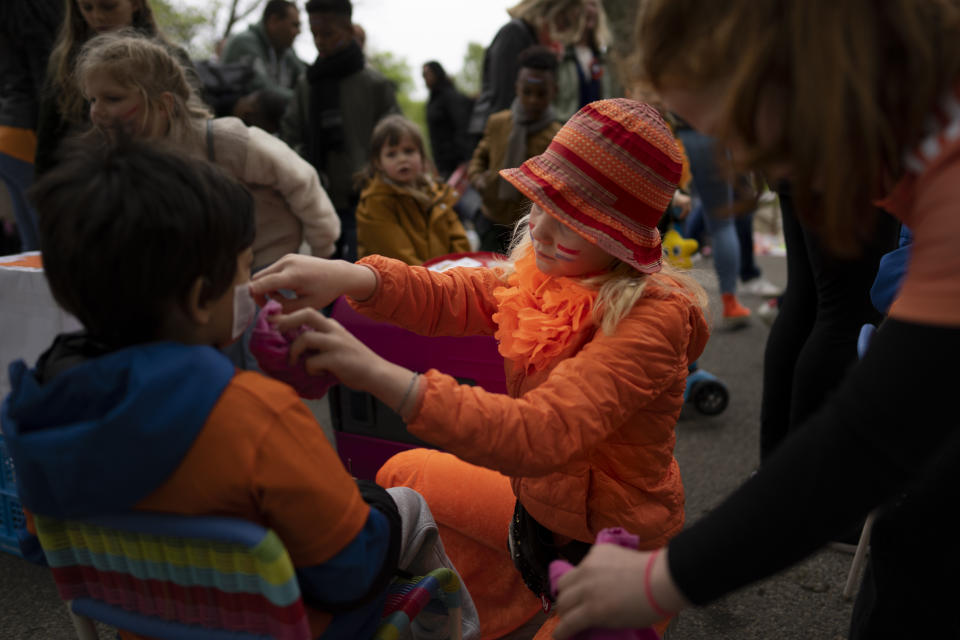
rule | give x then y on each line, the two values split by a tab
624	538
272	351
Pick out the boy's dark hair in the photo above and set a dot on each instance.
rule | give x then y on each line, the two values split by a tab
342	8
276	8
126	228
272	105
538	57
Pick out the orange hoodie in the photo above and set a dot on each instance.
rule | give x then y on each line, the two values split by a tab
587	441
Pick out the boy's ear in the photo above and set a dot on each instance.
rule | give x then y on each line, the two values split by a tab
168	101
197	304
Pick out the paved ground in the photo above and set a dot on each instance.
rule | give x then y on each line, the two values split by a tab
715	455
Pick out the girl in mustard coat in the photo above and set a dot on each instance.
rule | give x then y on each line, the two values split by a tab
403	212
596	336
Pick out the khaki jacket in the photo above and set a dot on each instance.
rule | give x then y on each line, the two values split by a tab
588	441
290	206
390	222
489	157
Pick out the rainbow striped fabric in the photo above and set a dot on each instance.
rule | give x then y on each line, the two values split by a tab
408	598
212	573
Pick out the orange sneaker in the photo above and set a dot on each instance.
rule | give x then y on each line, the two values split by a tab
734	314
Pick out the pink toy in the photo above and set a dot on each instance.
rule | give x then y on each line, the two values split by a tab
615	535
272	351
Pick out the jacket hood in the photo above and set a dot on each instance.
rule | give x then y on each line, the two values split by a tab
91	434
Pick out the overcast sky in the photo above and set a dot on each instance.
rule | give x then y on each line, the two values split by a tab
418	30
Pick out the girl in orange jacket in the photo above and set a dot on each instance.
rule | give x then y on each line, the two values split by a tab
596	334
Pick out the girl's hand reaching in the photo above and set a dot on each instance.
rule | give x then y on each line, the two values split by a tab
315	281
611	589
328	346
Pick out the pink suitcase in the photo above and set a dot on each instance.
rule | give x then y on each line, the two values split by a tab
368	431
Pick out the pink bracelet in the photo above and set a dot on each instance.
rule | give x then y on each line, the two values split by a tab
648	589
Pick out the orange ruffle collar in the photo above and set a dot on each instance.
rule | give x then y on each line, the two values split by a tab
538	315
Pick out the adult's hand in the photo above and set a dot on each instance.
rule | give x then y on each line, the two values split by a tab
607	591
328	346
316	282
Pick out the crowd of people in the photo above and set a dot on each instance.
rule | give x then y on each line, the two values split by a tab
171	198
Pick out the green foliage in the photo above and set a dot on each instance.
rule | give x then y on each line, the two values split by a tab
395	68
469	77
182	24
398	70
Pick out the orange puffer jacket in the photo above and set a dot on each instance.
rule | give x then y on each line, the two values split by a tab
587	442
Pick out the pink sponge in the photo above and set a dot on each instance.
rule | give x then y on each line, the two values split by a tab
272	351
614	535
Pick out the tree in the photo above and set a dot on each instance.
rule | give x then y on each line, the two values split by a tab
471	73
398	71
180	23
201	29
239	11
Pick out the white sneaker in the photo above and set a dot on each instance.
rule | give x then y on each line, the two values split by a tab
760	287
768	311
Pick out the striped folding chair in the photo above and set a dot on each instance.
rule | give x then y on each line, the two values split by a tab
438	593
177	577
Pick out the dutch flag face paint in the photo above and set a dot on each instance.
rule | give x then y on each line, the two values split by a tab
566	253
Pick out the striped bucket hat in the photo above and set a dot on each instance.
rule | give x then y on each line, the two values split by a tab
609	174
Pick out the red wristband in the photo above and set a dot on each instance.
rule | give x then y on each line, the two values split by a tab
648	588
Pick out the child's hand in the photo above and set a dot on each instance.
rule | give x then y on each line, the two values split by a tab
315	281
328	347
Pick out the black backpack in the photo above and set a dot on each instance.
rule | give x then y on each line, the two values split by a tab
222	84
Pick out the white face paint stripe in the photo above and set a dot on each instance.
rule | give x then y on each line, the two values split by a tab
244	309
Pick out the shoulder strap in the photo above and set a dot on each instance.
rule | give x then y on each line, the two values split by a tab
211	155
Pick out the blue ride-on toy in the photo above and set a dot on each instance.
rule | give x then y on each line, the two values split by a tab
706	392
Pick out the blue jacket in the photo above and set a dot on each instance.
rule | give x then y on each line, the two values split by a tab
94	432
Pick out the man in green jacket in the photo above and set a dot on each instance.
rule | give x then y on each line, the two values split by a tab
268	47
338	102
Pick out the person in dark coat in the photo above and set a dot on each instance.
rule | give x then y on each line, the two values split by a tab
549	22
62	108
27	32
448	112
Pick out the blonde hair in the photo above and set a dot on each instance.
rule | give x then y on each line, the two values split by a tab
618	289
601	37
134	61
857	80
546	13
74	32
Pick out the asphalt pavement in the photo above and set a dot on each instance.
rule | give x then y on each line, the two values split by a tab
716	454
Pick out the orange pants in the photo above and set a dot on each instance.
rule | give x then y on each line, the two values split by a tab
472	507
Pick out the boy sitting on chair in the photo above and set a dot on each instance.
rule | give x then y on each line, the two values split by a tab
151	251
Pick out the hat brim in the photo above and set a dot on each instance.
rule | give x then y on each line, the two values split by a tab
525	179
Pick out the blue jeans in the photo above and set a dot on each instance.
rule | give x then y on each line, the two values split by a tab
716	194
18	176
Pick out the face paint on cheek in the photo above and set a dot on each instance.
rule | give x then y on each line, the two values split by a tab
565	253
128	115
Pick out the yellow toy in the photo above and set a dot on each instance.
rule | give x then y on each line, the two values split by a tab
678	250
